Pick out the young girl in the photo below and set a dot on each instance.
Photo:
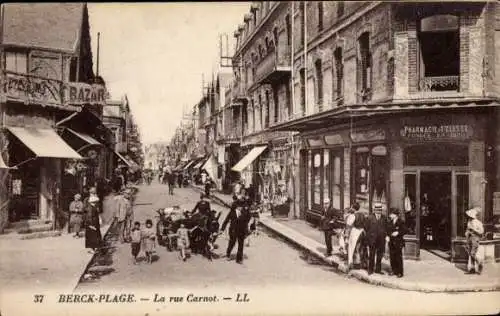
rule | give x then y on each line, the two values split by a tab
183	240
149	240
135	235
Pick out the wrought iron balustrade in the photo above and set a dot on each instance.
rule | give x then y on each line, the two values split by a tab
439	83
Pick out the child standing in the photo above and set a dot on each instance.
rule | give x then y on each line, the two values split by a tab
183	240
76	215
135	235
149	238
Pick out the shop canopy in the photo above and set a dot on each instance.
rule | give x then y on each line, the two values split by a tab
129	163
210	166
249	158
199	162
44	142
188	164
86	138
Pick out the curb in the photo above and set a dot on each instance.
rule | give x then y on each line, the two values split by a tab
362	275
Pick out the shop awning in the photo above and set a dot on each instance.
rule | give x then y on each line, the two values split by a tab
200	163
85	137
125	160
44	142
249	158
210	166
188	164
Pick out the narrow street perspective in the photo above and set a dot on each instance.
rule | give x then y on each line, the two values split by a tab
255	157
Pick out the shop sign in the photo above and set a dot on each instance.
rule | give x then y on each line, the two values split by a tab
51	92
367	136
437	132
334	139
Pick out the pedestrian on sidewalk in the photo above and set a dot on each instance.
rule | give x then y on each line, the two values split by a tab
238	219
123	215
76	215
149	240
474	233
326	224
93	238
354	236
376	231
135	244
183	241
171	183
396	230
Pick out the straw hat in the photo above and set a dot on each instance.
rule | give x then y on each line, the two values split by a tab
472	212
326	201
93	199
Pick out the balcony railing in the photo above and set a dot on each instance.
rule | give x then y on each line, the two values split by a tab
274	65
439	83
38	90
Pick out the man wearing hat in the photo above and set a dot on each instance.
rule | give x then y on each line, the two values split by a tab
474	233
376	224
327	224
395	232
123	215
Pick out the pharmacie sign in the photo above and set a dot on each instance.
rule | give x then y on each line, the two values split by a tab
30	89
437	132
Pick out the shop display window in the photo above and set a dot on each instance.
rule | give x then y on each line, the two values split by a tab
308	177
409	202
370	165
326	174
337	192
316	178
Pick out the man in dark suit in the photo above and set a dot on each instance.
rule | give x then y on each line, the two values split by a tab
328	223
376	226
395	232
238	218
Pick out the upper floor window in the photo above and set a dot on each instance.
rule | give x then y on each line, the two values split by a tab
438	59
364	66
340	8
318	68
16	62
303	90
288	26
339	69
302	24
320	16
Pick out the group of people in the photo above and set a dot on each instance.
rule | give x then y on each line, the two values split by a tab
85	214
364	236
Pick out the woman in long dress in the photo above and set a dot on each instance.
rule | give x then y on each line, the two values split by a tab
93	236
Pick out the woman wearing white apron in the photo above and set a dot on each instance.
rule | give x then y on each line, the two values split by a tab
353	235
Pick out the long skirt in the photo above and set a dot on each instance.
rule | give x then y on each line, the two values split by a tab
93	238
353	246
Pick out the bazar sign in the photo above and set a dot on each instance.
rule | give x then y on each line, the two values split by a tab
436	132
50	91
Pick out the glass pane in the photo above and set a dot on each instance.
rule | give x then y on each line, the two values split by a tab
326	173
336	189
362	179
308	177
462	203
317	179
379	182
10	61
437	155
410	185
438	23
22	63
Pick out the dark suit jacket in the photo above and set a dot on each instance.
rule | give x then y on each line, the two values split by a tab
237	226
398	226
376	230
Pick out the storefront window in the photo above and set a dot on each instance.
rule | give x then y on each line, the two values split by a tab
410	211
308	177
370	177
336	183
462	202
326	173
316	178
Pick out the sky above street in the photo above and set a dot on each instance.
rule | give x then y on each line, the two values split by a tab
156	53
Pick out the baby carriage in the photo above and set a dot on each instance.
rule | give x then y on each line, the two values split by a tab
167	226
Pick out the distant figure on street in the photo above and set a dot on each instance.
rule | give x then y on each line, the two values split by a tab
135	244
203	206
238	219
118	181
474	233
171	183
396	231
180	179
76	215
208	185
376	231
93	238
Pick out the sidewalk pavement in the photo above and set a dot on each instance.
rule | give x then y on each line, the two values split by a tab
47	263
430	274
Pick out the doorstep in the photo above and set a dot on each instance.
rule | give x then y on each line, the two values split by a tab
430	274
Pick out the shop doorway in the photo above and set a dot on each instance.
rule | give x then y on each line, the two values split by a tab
436	212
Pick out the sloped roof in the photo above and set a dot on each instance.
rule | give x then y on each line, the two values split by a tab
43	25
